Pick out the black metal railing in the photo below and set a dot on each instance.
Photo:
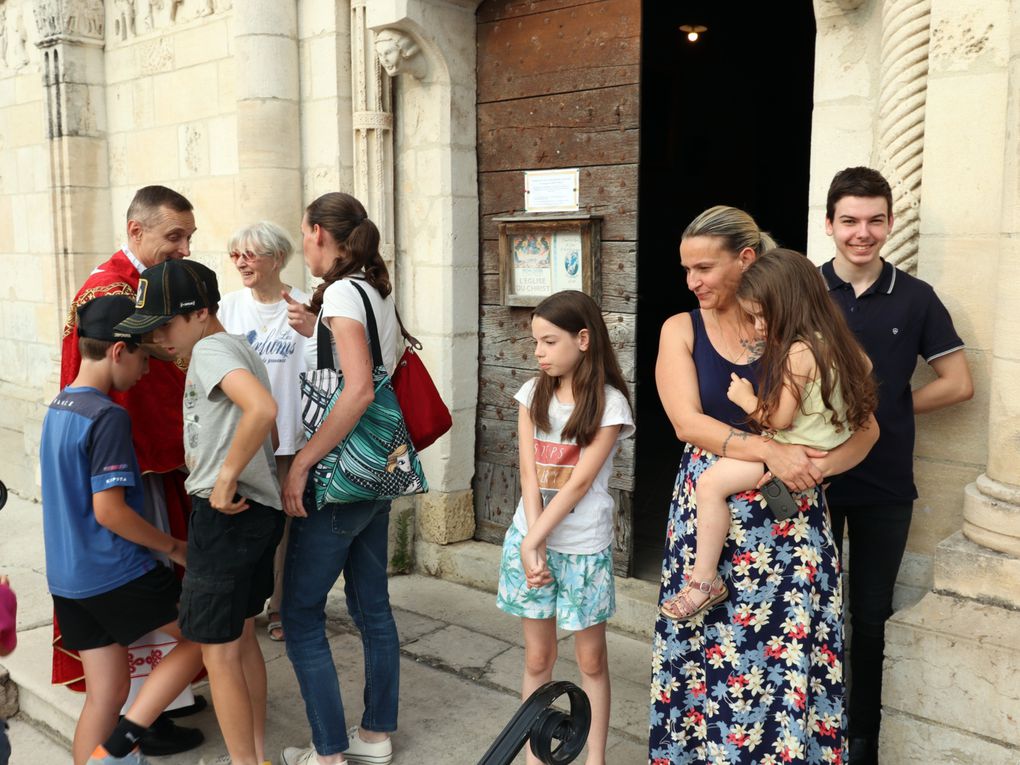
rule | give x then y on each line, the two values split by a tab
543	725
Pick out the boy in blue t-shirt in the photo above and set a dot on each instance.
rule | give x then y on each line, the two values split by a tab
108	590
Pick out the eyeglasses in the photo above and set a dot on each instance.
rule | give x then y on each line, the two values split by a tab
247	257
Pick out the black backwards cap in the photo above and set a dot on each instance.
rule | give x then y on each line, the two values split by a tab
172	288
99	318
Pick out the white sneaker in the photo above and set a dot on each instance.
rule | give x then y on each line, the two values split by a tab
293	755
363	753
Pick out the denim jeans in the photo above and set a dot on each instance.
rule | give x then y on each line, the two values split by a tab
878	537
348	538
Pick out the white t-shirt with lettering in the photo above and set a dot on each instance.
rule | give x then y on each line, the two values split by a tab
265	327
341	298
588	528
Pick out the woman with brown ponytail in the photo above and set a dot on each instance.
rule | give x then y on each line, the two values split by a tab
341	245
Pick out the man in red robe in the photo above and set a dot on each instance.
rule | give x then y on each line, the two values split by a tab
160	224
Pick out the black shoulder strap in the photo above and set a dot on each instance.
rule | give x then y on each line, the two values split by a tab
373	330
323	346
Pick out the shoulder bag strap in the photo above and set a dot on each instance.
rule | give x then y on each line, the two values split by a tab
373	330
323	346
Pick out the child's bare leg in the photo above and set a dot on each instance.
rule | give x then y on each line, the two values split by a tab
592	659
231	700
539	658
723	479
108	681
171	676
255	676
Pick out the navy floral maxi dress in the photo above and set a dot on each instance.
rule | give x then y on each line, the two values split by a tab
758	680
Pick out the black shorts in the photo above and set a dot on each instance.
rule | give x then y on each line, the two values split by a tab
121	615
229	575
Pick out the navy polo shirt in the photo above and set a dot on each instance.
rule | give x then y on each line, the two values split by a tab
897	319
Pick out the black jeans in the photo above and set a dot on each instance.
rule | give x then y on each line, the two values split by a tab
878	537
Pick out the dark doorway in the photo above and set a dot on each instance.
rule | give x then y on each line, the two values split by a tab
724	120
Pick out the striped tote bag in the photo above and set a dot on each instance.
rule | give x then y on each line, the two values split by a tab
377	459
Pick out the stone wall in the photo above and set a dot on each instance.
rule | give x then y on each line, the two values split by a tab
29	319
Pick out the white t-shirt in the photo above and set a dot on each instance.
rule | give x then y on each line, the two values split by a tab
265	327
588	528
341	298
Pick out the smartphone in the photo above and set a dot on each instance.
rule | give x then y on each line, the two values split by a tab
779	500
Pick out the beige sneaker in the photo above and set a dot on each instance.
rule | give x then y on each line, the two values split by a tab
363	753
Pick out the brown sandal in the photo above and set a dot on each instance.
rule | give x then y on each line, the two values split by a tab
681	608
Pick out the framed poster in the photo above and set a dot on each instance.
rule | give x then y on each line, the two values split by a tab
540	256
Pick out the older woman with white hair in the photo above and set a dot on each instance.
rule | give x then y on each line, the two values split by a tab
258	311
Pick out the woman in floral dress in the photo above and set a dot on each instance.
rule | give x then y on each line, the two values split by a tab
758	679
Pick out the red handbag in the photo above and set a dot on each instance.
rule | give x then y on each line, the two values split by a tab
425	414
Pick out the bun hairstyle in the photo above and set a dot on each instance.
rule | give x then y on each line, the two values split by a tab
357	239
735	227
573	311
796	307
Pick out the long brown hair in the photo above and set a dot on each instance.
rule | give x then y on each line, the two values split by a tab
573	311
344	217
796	307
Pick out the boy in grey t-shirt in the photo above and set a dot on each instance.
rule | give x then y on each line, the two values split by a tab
236	519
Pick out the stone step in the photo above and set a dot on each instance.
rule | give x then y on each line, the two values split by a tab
970	570
39	700
944	655
476	564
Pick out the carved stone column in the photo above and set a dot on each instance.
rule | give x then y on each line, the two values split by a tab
428	47
952	662
268	120
373	132
71	41
902	95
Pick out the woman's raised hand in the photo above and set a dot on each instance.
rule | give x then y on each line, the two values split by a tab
298	316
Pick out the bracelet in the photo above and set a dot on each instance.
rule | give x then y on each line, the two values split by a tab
768	435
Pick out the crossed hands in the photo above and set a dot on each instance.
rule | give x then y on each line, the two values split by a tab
298	316
536	569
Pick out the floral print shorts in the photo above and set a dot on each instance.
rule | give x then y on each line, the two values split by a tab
581	595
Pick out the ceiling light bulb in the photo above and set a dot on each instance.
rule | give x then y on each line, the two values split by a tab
693	31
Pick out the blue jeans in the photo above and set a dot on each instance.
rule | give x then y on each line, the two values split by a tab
5	743
350	538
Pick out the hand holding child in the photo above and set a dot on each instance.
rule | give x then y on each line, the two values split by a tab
536	569
741	393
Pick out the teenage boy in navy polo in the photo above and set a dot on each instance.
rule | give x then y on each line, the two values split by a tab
897	318
108	589
236	519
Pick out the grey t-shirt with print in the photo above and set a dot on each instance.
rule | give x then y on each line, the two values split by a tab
211	418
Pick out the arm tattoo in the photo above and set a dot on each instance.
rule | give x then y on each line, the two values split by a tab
733	432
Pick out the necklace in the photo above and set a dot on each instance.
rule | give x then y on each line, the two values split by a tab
749	348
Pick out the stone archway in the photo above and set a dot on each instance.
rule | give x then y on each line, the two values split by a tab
434	221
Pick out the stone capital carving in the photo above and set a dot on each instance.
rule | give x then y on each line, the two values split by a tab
399	53
69	21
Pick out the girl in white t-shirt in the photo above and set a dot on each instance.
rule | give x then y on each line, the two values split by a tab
557	562
258	312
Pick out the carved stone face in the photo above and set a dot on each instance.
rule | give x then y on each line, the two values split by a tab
389	55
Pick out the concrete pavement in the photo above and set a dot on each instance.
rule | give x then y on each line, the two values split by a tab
460	670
